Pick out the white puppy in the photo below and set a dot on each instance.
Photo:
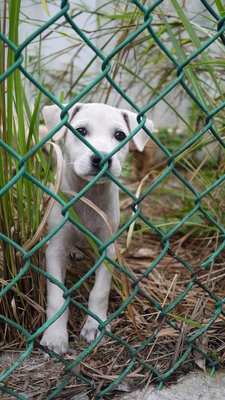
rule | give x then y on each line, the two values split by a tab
104	127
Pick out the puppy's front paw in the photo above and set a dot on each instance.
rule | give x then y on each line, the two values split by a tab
56	340
90	330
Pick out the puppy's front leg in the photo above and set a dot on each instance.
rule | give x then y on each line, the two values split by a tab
56	336
98	300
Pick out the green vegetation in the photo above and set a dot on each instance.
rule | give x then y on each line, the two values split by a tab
141	65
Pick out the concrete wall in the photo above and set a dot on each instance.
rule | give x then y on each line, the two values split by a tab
74	58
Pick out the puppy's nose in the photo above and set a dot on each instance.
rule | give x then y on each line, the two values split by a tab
95	160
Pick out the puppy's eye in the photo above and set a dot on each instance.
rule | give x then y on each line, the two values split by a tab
82	131
120	135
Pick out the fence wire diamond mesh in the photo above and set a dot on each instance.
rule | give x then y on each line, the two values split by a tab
135	353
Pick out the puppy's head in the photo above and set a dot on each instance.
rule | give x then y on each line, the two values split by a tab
104	127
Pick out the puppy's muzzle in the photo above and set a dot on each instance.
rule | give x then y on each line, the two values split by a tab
95	161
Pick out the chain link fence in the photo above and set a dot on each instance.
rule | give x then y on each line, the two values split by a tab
135	353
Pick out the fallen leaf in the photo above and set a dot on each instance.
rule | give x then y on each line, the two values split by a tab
143	253
202	344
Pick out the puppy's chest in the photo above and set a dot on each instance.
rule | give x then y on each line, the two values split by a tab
99	203
89	215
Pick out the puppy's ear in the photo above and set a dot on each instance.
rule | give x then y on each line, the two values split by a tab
141	138
51	115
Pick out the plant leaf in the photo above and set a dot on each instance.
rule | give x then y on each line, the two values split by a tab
45	7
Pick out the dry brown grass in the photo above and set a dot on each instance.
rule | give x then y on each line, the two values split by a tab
36	378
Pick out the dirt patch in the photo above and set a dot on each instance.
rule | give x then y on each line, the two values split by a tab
166	344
